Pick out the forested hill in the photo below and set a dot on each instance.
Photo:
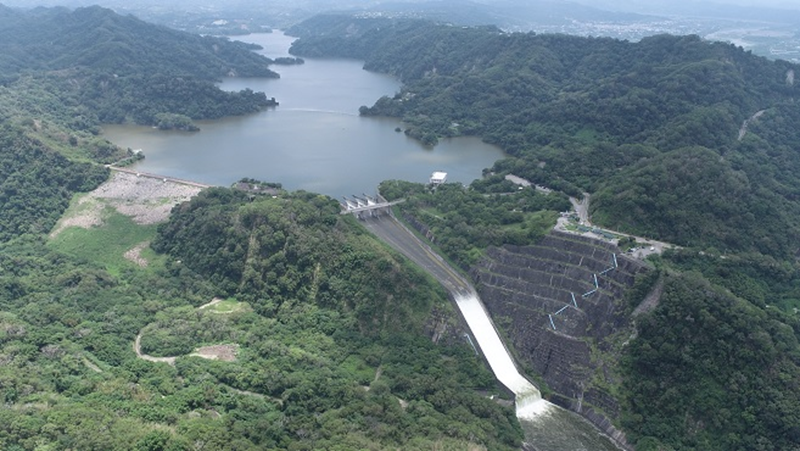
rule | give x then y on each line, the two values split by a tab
121	69
98	38
652	128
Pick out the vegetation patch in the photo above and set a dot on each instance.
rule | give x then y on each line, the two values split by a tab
181	330
114	224
463	222
84	212
224	353
135	254
359	369
108	244
224	306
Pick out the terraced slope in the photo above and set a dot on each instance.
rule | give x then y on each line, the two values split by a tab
557	315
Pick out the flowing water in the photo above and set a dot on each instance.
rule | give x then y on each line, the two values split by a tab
496	353
547	427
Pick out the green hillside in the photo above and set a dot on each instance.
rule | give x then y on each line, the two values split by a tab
604	116
99	67
675	138
332	348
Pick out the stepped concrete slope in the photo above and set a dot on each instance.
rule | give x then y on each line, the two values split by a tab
560	301
547	426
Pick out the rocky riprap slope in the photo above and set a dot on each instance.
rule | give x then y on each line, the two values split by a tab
524	287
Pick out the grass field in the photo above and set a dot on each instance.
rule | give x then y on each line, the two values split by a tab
227	306
107	243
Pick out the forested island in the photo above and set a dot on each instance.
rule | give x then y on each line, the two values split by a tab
324	338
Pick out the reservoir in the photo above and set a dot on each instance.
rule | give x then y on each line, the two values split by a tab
314	140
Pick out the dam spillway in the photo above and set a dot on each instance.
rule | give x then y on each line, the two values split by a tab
547	427
493	349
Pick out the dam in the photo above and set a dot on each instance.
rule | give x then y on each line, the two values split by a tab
547	427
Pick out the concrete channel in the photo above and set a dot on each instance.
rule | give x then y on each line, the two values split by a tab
547	427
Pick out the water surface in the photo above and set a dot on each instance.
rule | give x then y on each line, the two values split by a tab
314	140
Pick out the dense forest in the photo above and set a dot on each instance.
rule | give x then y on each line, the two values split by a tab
37	184
322	367
107	68
464	222
602	116
675	138
712	371
332	333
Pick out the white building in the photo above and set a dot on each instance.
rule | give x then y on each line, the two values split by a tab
437	178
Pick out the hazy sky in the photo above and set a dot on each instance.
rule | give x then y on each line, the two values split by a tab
793	4
651	6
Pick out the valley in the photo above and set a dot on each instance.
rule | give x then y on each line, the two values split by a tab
140	310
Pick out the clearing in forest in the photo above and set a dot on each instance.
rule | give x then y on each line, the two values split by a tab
112	224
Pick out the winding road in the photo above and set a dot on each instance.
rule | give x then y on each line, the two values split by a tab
137	347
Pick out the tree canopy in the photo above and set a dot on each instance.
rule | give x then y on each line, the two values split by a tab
603	116
110	68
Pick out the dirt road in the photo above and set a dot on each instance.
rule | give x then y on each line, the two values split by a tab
746	123
137	347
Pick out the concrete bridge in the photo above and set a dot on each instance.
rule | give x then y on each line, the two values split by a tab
365	206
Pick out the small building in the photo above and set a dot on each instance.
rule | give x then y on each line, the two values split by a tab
437	178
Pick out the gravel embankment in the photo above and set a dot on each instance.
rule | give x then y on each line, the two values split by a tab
146	200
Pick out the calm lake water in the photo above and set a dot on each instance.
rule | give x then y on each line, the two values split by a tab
314	140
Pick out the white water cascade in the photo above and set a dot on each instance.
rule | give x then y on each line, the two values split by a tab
547	427
528	398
